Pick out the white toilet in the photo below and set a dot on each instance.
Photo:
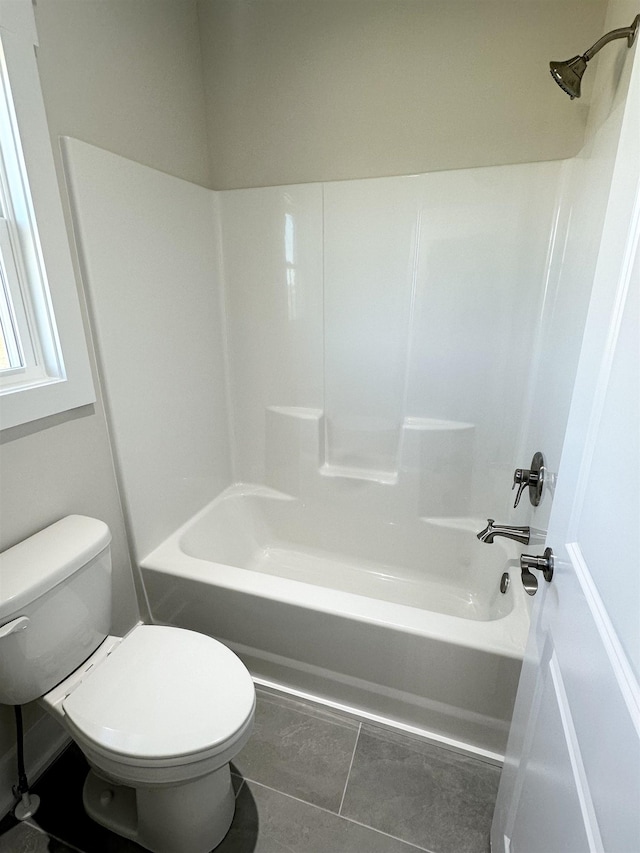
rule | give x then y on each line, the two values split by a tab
158	714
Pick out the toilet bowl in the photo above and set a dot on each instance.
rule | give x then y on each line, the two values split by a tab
158	714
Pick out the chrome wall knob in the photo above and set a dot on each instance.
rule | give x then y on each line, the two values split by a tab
542	564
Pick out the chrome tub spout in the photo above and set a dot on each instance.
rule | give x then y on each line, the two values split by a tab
518	534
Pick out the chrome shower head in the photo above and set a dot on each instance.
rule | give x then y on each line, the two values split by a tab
568	73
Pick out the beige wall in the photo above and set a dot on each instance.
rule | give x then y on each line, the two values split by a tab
316	90
124	75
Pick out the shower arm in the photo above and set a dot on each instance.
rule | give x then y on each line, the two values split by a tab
622	32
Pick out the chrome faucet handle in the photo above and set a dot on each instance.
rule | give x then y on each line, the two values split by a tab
532	477
520	479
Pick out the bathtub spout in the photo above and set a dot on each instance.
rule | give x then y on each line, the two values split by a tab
518	534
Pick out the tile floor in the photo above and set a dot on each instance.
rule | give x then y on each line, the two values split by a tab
310	780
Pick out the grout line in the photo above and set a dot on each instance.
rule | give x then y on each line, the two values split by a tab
341	817
353	755
387	834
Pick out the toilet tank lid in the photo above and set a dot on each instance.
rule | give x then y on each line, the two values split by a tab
42	561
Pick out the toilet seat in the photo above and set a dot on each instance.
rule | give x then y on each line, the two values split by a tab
164	697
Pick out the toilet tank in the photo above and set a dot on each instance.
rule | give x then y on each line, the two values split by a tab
55	605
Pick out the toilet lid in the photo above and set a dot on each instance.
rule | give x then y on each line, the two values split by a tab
162	693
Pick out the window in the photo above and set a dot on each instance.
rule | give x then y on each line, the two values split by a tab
11	352
22	282
44	365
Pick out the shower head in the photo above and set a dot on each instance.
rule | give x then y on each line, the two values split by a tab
568	73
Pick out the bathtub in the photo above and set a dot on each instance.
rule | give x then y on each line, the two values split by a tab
403	623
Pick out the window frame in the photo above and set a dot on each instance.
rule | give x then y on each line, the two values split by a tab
58	374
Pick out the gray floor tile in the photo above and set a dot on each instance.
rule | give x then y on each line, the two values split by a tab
399	785
22	838
269	822
424	794
303	752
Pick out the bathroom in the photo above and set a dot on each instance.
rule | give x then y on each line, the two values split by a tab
285	126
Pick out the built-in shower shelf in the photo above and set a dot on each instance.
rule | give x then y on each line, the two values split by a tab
428	476
435	424
388	477
303	412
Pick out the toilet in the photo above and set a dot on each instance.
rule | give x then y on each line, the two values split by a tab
159	714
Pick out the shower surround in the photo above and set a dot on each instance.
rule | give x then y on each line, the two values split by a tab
358	355
397	314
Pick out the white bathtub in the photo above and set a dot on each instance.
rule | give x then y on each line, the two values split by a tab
402	622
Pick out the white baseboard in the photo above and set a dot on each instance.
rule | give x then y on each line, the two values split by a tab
43	742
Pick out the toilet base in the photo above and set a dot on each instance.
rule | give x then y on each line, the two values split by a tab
192	817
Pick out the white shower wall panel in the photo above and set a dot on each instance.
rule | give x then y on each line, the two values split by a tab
272	240
379	300
371	263
150	256
484	249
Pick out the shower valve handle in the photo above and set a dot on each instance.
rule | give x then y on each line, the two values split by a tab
520	479
532	477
